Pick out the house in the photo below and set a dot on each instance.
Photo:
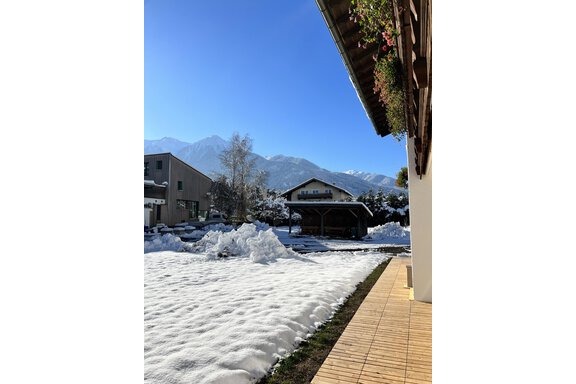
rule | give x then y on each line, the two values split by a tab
174	192
413	20
317	190
327	210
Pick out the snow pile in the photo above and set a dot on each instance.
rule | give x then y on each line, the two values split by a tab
261	226
198	233
195	234
389	232
230	320
218	227
246	241
167	242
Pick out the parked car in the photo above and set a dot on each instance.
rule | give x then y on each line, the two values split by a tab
214	217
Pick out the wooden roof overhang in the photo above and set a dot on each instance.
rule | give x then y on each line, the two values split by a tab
414	21
357	60
313	206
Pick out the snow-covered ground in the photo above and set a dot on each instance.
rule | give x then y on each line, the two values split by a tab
382	235
214	319
319	244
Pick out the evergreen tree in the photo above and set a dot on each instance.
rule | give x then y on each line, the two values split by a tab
222	196
386	207
402	178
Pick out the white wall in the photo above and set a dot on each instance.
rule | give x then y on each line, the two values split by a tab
420	226
337	195
147	213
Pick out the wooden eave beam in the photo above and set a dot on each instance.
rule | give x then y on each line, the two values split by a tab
425	93
342	19
406	58
352	33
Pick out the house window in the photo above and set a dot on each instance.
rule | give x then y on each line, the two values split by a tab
180	185
328	191
190	206
158	210
314	191
146	168
158	164
305	192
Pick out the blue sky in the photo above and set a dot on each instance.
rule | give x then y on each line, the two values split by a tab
269	69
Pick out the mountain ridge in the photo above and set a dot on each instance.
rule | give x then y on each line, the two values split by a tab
284	172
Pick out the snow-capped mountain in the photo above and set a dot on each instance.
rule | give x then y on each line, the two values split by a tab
284	172
166	144
374	178
204	154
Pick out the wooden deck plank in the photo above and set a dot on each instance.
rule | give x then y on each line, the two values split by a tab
389	339
327	380
338	375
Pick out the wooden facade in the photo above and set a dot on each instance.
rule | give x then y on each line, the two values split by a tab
413	19
317	190
187	189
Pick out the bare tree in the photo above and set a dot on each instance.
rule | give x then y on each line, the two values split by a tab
238	163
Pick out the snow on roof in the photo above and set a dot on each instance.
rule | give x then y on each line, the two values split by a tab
153	184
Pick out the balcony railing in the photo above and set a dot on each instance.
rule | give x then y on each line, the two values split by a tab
309	196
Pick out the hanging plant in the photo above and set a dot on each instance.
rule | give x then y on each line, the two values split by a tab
376	21
388	85
374	18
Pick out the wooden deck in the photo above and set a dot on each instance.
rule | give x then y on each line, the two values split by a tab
389	339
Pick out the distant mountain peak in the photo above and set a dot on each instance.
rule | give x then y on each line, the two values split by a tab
171	139
283	171
212	140
374	178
